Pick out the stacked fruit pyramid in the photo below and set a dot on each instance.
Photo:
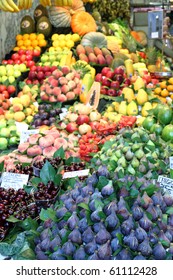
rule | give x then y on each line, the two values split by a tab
79	97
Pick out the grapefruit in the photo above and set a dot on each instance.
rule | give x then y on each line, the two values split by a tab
167	133
148	123
165	115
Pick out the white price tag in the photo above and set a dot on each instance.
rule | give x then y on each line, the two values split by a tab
171	162
13	180
63	114
25	134
79	173
21	126
166	183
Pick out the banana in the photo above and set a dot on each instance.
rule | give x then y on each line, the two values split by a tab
20	4
28	4
13	5
6	7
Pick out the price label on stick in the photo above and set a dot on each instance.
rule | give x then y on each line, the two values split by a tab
13	180
25	134
167	184
73	174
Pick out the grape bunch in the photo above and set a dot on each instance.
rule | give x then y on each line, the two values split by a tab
47	115
97	221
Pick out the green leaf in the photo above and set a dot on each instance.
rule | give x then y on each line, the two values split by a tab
84	206
29	188
48	214
14	248
2	166
35	181
120	238
57	179
102	215
47	173
71	160
59	153
12	219
165	243
28	254
103	181
169	210
134	193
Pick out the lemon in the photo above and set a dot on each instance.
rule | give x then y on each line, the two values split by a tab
139	83
61	37
128	94
58	49
55	37
55	43
62	43
141	97
75	37
116	106
68	37
110	109
69	44
132	109
122	108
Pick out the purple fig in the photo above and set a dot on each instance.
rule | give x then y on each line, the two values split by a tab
63	232
82	225
122	209
88	189
145	200
123	192
170	220
131	241
93	257
60	213
88	235
115	232
98	226
140	234
48	223
58	255
97	194
54	243
64	196
92	179
41	256
108	189
55	230
102	236
115	244
162	237
145	248
75	193
105	251
158	200
139	257
83	213
61	224
124	254
169	235
69	204
79	254
168	199
137	212
103	171
159	252
153	238
145	223
68	248
151	209
92	205
75	236
95	216
45	233
73	221
91	247
111	221
161	224
79	199
127	226
110	208
121	203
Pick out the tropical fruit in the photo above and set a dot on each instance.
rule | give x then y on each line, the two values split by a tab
141	97
165	115
167	133
27	25
148	123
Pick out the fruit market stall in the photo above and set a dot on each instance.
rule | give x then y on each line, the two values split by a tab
86	137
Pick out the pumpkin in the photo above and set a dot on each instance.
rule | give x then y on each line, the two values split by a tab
94	39
62	16
82	22
140	36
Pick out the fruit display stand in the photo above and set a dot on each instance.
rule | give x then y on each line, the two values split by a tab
85	138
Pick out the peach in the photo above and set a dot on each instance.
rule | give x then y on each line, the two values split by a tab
23	147
25	100
70	95
65	88
38	158
17	107
54	83
76	80
24	159
33	139
64	134
71	85
48	89
63	80
73	138
70	76
53	98
19	116
54	133
80	49
34	151
49	151
46	141
77	91
62	98
56	91
60	142
44	96
57	73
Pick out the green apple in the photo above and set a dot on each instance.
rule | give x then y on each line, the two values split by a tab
44	58
3	143
55	63
17	73
16	67
22	67
13	140
47	63
12	127
4	78
5	132
10	72
11	79
3	123
3	70
9	67
52	58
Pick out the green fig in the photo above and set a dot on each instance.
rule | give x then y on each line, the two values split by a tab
139	153
135	162
129	155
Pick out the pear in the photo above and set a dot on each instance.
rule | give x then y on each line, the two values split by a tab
132	108
141	97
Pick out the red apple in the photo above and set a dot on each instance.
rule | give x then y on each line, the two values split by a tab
82	119
115	85
11	89
105	70
28	82
30	63
109	74
15	56
28	57
39	68
98	77
17	61
32	75
6	94
33	68
104	90
23	58
106	82
10	61
5	62
119	70
21	52
36	52
112	92
29	52
2	88
71	127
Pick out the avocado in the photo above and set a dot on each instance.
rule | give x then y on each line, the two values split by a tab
27	25
44	26
39	12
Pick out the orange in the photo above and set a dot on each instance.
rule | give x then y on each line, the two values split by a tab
163	84
16	49
40	37
20	43
157	90
170	80
19	37
23	48
33	36
27	43
30	48
164	92
34	43
170	87
37	48
42	43
25	36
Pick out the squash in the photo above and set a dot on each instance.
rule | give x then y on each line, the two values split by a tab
62	16
140	36
82	22
94	39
